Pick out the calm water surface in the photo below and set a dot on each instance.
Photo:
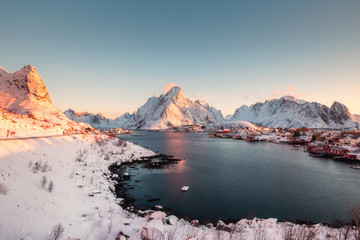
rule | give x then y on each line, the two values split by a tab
231	179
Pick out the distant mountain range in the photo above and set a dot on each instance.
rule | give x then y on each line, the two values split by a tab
24	92
98	120
292	112
173	109
159	112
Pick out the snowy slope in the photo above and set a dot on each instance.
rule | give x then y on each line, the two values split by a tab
98	120
82	202
173	109
292	112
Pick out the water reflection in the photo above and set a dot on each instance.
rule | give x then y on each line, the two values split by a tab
235	179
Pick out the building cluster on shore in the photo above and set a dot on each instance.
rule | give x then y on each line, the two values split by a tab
321	142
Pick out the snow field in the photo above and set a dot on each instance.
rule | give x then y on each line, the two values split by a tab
82	202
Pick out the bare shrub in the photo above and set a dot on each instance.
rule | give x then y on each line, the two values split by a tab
51	186
355	213
260	233
45	167
3	189
56	232
36	167
82	155
344	232
289	232
43	181
308	232
101	141
120	143
39	166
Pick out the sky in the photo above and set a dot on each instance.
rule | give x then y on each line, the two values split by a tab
111	56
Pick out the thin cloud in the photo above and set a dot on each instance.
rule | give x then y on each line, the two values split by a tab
287	90
243	96
168	86
290	88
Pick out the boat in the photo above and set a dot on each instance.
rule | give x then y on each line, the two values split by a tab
355	167
185	188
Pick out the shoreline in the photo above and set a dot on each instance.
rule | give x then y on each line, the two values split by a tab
127	203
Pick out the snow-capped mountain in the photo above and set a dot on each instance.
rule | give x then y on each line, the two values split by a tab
173	109
98	120
24	91
25	104
292	112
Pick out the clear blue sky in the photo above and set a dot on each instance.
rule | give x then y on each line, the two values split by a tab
111	56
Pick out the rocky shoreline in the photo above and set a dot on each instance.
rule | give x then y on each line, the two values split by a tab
162	161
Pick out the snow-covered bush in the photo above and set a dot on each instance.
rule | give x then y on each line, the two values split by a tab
120	143
106	157
43	181
39	166
45	167
3	189
82	155
51	186
56	232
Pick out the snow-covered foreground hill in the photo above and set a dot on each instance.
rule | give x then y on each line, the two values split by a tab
75	165
65	180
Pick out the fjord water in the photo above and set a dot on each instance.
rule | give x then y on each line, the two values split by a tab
232	179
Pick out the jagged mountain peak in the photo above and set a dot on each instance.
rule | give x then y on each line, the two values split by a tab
173	109
292	112
339	106
175	92
23	91
98	120
27	68
292	99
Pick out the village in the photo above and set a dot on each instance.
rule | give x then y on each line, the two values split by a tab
339	144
